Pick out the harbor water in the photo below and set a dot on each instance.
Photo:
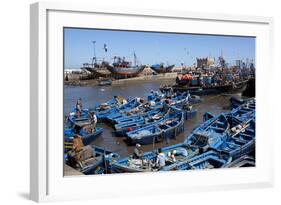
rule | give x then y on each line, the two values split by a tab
94	95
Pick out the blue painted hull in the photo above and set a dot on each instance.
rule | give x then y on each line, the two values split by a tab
123	165
158	132
208	160
104	115
189	114
79	121
86	138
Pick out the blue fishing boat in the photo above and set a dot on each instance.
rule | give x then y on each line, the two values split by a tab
176	100
181	152
141	111
87	137
105	106
79	120
169	127
245	111
211	133
240	140
103	115
132	112
127	124
155	96
235	102
94	160
208	160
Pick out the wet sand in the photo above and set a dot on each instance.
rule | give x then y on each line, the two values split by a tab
95	95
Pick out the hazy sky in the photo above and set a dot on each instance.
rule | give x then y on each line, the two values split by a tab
152	47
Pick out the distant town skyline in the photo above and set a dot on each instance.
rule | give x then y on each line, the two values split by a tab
152	47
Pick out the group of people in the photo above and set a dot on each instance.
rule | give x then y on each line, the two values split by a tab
92	118
161	158
87	128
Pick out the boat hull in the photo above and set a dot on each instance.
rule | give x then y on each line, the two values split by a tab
164	133
210	90
161	69
126	72
86	138
98	72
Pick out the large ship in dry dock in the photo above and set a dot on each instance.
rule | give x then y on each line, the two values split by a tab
97	69
122	69
161	68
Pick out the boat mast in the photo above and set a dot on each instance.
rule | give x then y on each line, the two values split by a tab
135	59
95	57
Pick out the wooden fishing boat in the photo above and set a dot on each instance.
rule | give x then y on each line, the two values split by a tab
208	160
176	100
142	111
127	124
108	105
240	140
245	111
87	138
125	69
225	133
168	128
83	119
103	115
94	160
97	69
235	102
148	162
209	89
209	134
160	68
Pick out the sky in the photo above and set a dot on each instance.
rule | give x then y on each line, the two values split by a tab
152	47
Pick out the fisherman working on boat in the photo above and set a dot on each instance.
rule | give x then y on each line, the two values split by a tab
166	104
75	153
93	120
160	161
120	100
171	156
79	107
187	106
138	154
77	143
179	152
90	128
